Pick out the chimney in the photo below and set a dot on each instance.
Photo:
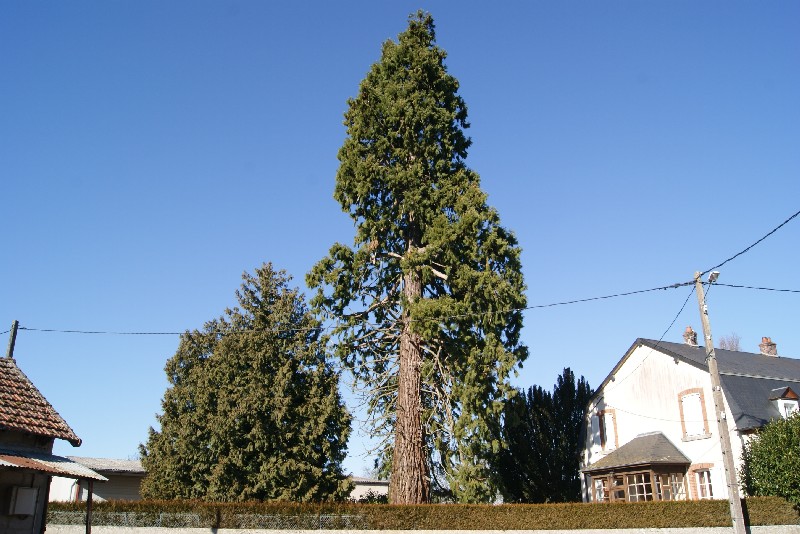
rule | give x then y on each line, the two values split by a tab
768	348
690	337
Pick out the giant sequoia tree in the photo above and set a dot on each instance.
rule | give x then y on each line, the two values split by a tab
253	410
427	302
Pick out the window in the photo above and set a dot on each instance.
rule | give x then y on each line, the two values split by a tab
607	429
601	489
704	489
786	400
670	487
639	487
693	414
618	489
787	407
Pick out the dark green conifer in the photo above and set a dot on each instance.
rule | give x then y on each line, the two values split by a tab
253	410
541	433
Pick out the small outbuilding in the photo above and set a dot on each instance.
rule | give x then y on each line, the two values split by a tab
29	426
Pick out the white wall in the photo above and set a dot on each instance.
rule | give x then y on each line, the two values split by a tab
362	488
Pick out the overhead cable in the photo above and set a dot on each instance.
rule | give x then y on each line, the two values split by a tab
759	288
751	246
461	316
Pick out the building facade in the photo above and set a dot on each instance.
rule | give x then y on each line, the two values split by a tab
651	431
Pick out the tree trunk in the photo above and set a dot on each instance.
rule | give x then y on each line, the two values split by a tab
410	482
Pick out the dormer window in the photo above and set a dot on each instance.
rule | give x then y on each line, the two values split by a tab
786	400
788	407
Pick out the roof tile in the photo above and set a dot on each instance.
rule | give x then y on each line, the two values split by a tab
23	408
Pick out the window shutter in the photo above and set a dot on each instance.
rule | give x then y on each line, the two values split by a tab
611	436
595	431
693	415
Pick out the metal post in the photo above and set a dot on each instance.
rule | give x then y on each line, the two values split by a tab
89	507
737	516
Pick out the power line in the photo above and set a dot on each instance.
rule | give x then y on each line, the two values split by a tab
30	329
673	286
751	246
653	349
759	288
476	314
676	316
438	319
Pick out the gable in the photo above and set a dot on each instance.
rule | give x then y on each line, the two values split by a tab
749	381
783	393
24	409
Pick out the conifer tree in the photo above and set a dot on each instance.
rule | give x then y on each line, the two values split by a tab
427	301
253	410
541	433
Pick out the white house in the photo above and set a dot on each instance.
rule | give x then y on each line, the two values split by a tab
123	478
651	431
365	487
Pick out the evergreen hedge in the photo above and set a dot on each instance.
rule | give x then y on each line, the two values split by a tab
568	516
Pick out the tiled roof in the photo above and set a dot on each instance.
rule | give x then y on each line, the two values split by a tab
110	465
23	408
644	450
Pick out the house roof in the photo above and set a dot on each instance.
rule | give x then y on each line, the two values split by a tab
747	378
644	450
23	408
110	465
40	461
370	481
731	362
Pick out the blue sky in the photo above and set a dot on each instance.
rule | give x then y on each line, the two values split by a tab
150	152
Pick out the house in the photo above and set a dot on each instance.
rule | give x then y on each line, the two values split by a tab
368	487
29	426
123	480
650	429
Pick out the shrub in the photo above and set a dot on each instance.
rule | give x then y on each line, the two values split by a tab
771	461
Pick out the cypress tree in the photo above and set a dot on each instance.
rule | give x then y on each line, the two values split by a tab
541	434
427	302
253	410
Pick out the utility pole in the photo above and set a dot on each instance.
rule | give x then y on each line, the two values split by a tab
12	339
735	502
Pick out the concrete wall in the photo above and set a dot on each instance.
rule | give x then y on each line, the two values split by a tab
78	529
